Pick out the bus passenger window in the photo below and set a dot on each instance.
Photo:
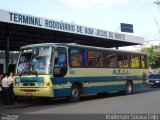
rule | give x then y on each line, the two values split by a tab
94	59
98	59
109	60
122	60
90	61
143	61
76	58
134	61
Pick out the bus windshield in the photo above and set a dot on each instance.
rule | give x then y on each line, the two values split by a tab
36	60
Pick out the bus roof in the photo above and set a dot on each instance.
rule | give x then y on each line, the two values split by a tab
76	45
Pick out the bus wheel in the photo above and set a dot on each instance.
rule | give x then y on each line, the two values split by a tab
75	93
129	88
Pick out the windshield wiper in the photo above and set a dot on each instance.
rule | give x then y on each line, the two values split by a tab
30	69
34	69
24	70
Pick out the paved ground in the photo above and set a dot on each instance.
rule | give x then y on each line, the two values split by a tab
146	101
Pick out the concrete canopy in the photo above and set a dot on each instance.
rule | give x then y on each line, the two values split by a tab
22	29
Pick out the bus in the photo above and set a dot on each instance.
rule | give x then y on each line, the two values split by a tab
52	70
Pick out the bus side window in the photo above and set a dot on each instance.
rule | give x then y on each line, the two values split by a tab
98	59
109	60
75	57
94	59
123	60
143	61
90	59
134	61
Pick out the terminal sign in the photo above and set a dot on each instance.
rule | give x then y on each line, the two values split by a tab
34	21
63	26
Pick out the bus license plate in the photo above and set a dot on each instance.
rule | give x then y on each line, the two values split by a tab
28	94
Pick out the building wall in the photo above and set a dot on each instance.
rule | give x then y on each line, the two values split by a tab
13	60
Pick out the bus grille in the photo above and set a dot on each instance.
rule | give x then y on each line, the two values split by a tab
29	90
28	84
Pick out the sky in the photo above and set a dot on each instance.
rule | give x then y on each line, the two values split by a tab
101	14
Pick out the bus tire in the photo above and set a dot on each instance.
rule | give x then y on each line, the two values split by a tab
129	88
75	94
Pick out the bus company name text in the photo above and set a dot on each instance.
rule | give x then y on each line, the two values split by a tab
120	72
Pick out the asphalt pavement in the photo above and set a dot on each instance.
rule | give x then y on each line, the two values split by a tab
145	101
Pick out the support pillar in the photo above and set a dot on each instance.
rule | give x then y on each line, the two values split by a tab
7	49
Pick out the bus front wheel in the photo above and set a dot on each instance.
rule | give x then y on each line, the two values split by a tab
75	93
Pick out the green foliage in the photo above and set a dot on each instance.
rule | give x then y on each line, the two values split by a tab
154	55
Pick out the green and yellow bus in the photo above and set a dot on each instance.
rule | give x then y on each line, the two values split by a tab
54	70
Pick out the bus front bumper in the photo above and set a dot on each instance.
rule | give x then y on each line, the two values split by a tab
34	92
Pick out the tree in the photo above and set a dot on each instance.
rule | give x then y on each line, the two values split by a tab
154	55
157	2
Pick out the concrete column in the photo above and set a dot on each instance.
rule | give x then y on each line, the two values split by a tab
7	49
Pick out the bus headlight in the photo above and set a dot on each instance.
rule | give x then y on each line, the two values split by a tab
40	84
16	84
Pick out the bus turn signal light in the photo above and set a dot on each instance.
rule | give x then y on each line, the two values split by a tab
48	83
